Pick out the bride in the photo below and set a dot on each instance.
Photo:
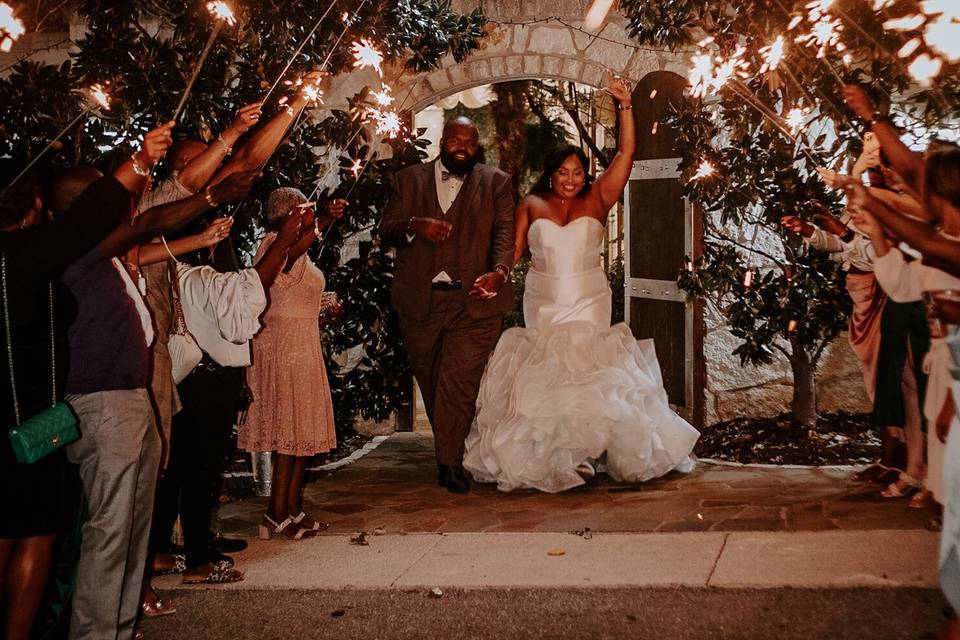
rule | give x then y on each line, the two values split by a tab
569	388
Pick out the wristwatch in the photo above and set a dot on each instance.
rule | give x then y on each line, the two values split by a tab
503	270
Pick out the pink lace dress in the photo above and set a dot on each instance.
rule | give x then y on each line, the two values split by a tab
292	410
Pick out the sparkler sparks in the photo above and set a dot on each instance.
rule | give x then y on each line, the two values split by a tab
100	96
222	11
710	74
706	169
795	119
824	33
388	123
356	167
383	98
10	27
366	55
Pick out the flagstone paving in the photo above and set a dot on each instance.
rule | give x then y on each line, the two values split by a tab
394	489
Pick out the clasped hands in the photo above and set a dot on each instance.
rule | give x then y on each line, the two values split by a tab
485	287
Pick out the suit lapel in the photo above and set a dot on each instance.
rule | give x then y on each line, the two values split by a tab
468	193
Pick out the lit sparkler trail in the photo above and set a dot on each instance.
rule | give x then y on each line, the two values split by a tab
709	74
298	50
347	23
596	14
10	27
222	13
97	97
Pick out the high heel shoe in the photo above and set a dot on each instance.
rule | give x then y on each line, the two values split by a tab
904	486
288	529
317	525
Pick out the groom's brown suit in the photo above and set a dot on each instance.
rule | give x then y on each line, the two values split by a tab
448	334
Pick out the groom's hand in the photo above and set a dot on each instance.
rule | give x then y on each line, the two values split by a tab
434	230
487	286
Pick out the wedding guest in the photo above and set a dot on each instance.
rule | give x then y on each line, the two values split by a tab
210	394
907	281
34	255
118	453
292	410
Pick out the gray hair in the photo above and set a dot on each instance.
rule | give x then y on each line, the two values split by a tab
279	202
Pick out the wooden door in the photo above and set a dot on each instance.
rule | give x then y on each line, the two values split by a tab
660	230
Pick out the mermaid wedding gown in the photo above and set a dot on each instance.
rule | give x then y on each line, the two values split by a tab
569	387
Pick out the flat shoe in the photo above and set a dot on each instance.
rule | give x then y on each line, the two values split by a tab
159	608
218	574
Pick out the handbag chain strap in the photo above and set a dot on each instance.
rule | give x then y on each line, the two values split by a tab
6	325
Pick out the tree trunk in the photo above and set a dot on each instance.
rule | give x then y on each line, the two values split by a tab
804	404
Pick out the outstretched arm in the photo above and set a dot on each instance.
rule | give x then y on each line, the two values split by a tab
908	164
267	138
171	216
269	266
133	173
216	231
919	235
198	172
609	186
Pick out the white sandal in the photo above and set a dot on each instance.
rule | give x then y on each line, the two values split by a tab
317	525
269	527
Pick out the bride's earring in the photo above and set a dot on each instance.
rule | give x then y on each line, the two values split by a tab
551	183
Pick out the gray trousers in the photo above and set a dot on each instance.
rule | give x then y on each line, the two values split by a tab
119	456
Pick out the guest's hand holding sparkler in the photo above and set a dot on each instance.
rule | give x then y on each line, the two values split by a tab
135	173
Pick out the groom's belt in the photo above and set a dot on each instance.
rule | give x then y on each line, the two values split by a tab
447	286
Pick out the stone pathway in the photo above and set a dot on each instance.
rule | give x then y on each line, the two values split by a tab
393	489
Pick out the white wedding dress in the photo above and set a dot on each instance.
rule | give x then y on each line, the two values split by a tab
569	388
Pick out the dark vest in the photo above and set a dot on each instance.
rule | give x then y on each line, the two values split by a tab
446	256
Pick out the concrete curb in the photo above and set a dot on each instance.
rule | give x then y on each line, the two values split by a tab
823	559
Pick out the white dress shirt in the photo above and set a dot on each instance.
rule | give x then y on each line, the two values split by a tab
448	189
858	253
222	311
146	320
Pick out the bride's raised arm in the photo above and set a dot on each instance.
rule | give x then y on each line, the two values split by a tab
521	223
609	185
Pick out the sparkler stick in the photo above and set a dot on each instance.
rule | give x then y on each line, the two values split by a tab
596	14
223	14
299	49
99	98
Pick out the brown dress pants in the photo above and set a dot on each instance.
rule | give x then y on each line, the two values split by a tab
448	351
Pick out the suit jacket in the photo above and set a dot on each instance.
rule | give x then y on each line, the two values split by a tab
486	237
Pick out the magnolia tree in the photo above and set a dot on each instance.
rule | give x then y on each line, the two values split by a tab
765	110
144	54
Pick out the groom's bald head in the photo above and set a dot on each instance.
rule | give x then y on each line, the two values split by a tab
458	146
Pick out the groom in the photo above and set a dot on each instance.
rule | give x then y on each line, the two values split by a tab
452	223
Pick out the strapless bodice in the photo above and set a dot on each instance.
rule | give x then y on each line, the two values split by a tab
565	250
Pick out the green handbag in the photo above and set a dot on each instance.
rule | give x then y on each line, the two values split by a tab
55	426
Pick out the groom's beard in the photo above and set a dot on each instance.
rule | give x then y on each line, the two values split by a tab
455	166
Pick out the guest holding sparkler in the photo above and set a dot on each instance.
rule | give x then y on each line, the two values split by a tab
292	410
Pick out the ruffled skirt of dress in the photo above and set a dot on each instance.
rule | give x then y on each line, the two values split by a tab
554	398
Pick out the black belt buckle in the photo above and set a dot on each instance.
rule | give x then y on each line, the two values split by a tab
456	285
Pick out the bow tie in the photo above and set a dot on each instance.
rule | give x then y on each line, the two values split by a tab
446	175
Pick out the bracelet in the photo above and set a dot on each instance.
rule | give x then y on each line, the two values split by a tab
503	270
876	117
209	198
624	108
138	168
227	148
847	235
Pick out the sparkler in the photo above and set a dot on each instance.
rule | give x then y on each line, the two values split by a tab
10	27
97	97
298	50
772	55
223	14
705	170
596	14
366	55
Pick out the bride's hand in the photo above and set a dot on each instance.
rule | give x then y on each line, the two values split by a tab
618	88
487	286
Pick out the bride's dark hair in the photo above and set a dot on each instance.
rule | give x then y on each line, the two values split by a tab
553	162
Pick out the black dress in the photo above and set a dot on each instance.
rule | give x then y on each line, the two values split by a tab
31	495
